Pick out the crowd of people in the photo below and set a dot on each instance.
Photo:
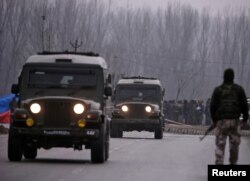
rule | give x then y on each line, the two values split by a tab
194	112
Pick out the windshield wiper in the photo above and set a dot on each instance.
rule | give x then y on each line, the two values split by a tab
58	86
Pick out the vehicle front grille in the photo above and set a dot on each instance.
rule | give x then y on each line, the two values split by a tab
57	114
136	111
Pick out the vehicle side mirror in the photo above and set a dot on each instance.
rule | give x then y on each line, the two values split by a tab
108	91
15	89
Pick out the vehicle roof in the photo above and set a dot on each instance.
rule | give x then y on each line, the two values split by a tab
139	81
76	59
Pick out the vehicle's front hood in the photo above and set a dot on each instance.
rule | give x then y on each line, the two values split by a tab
93	105
155	106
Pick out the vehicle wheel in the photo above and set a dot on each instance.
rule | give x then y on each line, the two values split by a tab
120	133
30	152
98	148
107	142
107	150
159	132
115	132
15	150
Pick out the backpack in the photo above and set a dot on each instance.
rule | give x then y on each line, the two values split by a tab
229	103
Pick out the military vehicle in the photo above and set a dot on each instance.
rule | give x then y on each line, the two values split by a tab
61	103
138	105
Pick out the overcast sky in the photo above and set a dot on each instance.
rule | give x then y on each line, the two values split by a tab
212	5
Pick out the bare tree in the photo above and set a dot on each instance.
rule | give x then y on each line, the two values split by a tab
18	33
203	48
187	50
4	15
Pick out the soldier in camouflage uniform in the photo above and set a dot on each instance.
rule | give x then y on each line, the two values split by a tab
227	104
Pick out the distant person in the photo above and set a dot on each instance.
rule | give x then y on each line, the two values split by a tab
207	112
185	111
227	104
199	110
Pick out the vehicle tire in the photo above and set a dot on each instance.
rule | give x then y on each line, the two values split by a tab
159	131
120	133
15	150
98	148
115	132
30	152
107	142
107	150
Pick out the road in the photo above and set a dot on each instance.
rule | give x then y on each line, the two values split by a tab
133	158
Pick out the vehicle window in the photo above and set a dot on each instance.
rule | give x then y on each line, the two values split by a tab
137	93
62	78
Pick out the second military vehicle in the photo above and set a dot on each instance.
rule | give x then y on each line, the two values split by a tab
138	105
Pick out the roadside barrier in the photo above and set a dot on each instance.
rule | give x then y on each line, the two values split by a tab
180	128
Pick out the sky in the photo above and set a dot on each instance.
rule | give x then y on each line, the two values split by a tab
212	5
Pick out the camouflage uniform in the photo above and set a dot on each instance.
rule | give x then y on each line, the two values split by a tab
227	127
228	102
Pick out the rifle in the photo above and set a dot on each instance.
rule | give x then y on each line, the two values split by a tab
211	127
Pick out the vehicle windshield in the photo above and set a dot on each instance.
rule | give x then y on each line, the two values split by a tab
83	82
138	93
39	78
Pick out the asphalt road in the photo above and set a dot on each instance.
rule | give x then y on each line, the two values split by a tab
137	157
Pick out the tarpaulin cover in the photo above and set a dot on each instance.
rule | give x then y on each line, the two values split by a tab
5	108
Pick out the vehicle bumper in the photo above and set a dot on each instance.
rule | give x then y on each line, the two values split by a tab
55	132
135	121
135	124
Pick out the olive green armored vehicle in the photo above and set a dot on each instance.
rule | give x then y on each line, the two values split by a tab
138	106
61	102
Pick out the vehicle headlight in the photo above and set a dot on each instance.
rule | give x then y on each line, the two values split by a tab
35	108
79	108
148	109
125	108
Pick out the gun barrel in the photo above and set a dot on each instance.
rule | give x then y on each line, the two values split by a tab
207	131
201	138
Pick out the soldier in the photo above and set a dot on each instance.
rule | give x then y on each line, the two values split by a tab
192	110
227	104
199	110
185	111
